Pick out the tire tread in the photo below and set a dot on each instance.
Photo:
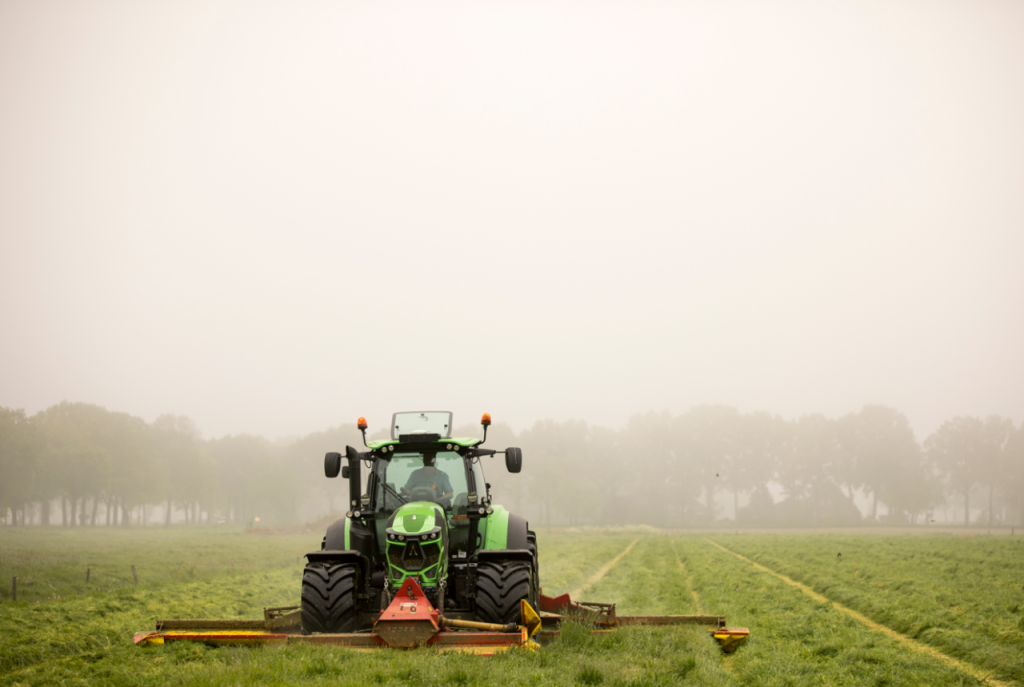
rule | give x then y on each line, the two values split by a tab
499	587
328	598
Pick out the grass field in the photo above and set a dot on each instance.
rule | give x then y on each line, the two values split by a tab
961	596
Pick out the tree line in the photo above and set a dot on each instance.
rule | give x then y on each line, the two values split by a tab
714	465
81	465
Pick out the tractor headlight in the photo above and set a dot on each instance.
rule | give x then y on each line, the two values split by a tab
401	537
482	511
391	536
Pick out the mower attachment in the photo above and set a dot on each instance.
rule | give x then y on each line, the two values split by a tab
411	621
603	615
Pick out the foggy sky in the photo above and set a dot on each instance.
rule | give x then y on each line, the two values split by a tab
274	217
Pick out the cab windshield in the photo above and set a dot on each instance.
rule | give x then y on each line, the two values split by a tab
405	478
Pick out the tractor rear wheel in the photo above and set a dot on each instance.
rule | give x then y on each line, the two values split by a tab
531	545
329	598
499	587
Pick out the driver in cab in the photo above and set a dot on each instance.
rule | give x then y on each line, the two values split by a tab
430	476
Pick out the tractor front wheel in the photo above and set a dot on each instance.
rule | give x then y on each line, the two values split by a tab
499	587
329	598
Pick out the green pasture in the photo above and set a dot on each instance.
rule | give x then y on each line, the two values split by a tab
964	595
51	563
62	632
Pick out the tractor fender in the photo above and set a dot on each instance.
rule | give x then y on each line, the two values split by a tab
524	555
329	556
517	531
347	534
505	530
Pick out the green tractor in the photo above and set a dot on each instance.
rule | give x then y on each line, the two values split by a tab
426	514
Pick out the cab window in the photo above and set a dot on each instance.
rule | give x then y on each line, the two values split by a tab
403	479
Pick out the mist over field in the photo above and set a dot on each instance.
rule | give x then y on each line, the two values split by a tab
79	464
706	262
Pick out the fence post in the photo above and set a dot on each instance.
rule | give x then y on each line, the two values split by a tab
135	575
14	588
87	572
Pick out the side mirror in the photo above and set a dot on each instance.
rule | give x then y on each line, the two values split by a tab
514	459
332	464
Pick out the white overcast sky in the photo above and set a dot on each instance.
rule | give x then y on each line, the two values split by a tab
274	217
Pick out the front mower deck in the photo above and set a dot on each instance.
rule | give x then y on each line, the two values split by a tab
410	621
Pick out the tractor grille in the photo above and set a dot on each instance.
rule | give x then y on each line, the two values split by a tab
431	553
395	555
415	556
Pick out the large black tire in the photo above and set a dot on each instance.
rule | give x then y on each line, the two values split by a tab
499	587
329	598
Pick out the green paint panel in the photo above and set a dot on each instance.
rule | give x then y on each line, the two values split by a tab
412	523
496	536
418	516
348	525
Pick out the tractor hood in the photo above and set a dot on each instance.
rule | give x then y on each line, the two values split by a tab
417	543
415	520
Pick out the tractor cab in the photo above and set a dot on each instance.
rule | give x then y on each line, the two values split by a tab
423	463
419	491
437	476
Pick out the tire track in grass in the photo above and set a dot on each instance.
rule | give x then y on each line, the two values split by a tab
726	658
686	576
596	577
971	670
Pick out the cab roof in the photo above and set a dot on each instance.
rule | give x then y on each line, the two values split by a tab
464	442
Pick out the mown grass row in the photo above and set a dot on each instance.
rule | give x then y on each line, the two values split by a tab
796	640
961	595
568	558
